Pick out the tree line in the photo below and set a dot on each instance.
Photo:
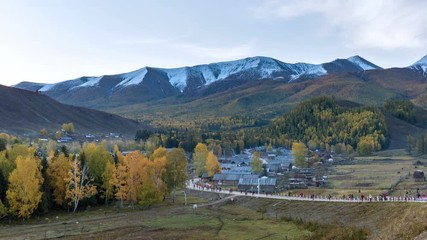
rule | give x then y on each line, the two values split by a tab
322	123
319	123
32	183
417	145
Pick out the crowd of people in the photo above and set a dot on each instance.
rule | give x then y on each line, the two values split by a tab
349	197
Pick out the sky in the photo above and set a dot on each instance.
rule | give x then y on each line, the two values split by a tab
55	40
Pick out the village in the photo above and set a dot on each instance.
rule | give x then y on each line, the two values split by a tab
282	178
279	174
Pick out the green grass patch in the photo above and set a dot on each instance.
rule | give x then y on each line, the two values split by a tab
185	221
260	229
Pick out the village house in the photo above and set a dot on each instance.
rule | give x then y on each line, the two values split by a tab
225	179
296	183
265	185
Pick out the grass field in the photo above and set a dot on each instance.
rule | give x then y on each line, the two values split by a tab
218	217
242	218
388	171
160	222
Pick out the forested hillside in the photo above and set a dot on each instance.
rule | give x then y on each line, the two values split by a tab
321	122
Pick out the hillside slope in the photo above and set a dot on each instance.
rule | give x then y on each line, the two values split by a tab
26	112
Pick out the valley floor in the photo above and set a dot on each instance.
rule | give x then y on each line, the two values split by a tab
222	216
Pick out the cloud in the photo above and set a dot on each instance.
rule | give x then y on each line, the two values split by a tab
217	53
384	24
210	50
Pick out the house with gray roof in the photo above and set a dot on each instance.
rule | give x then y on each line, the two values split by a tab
226	179
266	185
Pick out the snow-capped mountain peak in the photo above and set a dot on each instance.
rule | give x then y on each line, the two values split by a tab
46	87
363	63
188	79
422	61
258	67
91	82
420	65
69	84
132	78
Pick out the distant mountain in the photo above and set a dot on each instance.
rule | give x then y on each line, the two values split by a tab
258	88
363	63
420	65
25	112
147	84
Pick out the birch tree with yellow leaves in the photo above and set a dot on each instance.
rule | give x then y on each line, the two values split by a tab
212	165
200	156
121	184
176	170
153	185
24	193
59	166
109	178
79	186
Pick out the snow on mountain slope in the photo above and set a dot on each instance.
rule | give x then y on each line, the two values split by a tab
362	63
420	65
310	70
213	72
46	87
66	85
261	67
317	70
91	82
132	78
229	68
203	75
177	77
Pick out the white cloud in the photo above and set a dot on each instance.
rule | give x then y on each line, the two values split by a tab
384	24
217	53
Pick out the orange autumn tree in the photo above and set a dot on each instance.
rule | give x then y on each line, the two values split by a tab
121	184
140	180
134	163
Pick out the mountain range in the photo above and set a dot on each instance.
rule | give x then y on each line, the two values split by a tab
260	86
147	84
